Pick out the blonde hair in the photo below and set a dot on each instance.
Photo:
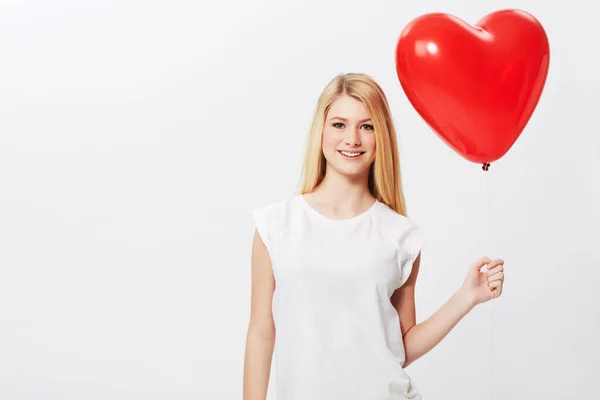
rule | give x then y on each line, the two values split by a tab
385	178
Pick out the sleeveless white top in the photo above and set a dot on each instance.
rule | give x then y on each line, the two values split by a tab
337	334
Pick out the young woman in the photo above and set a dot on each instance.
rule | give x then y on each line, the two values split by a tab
334	268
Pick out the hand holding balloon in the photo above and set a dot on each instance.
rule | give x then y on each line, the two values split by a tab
481	286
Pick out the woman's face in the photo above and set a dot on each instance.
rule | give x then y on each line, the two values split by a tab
349	137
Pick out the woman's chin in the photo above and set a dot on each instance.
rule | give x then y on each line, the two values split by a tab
352	170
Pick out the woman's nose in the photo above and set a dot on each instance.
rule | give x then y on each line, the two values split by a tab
353	137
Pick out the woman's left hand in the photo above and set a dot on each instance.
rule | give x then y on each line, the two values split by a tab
484	286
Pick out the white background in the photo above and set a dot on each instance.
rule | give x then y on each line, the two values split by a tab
136	136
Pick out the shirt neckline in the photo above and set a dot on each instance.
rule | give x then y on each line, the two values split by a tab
357	217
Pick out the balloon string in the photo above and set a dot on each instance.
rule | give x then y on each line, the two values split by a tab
489	236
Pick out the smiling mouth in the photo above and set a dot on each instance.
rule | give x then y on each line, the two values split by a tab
351	154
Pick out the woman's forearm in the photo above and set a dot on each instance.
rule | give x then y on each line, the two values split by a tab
423	337
257	364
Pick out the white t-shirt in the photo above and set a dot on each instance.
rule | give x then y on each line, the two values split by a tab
337	334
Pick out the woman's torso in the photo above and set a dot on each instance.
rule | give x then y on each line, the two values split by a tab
338	335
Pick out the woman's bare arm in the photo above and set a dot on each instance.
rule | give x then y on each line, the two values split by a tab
421	338
260	339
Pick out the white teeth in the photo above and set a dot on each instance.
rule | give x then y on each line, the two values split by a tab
348	154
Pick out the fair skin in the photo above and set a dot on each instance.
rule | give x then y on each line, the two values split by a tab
343	194
260	339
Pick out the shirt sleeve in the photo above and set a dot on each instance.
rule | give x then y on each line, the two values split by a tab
411	243
264	226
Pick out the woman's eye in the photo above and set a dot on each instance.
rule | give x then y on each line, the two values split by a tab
340	125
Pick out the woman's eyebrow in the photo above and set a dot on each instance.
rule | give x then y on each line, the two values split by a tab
344	119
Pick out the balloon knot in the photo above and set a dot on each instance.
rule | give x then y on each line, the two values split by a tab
486	166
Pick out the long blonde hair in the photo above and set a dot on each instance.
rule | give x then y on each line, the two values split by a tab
385	178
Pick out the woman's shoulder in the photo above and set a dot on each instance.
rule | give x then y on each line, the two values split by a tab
405	233
273	218
396	226
392	218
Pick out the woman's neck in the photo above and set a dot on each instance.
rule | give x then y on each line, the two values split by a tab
343	191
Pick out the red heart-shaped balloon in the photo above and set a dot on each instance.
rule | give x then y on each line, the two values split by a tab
475	86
